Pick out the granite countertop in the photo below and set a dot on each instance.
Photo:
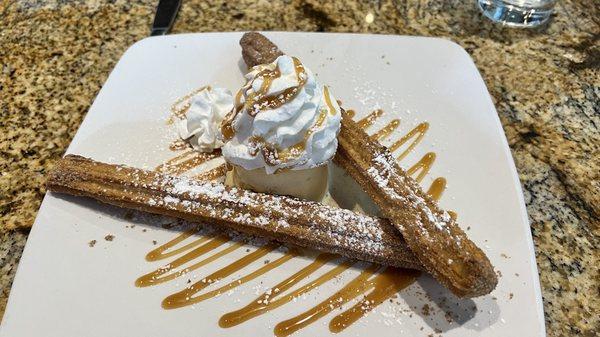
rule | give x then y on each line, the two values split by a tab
55	56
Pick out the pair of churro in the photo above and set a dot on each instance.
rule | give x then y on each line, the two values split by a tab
416	234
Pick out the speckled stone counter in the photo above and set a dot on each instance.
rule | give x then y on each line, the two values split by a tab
54	57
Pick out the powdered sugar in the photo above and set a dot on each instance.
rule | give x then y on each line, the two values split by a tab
340	228
383	172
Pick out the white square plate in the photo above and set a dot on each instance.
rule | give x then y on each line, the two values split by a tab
64	287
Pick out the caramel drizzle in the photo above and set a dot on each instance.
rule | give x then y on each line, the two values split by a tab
370	119
186	296
422	167
332	110
377	284
260	100
161	252
273	299
181	106
169	272
179	144
351	290
436	189
385	285
387	130
417	133
213	173
273	155
186	161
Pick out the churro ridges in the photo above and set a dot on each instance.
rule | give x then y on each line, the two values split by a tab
442	247
289	220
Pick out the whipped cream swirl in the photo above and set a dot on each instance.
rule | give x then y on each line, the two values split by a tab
282	119
201	123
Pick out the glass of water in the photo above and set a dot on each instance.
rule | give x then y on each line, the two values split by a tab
518	13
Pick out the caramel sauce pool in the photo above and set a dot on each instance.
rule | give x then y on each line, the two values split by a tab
374	285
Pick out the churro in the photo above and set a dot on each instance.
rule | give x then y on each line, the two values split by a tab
431	233
257	49
285	219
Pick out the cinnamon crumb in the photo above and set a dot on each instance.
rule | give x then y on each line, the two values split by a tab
425	310
109	237
154	242
92	243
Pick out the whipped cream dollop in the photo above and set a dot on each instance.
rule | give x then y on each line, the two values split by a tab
282	119
201	124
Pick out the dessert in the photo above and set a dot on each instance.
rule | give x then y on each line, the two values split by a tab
290	220
444	249
282	131
278	136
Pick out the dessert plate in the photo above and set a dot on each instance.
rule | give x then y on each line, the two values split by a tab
78	273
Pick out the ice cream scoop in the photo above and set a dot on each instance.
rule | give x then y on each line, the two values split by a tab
283	126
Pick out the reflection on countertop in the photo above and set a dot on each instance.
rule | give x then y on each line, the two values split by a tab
545	84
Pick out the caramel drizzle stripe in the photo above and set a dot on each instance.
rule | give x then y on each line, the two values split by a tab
332	110
273	299
352	289
179	144
213	173
387	130
370	119
175	159
181	163
248	277
436	189
385	285
167	273
417	133
161	253
185	297
422	167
